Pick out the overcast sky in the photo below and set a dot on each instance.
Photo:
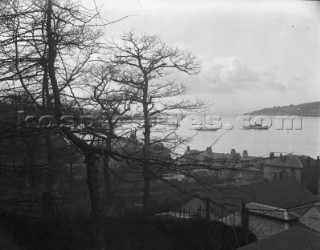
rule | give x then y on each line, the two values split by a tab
254	54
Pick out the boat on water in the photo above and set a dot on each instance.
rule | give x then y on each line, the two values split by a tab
256	126
205	128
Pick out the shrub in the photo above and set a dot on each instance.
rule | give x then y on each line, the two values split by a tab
135	232
130	232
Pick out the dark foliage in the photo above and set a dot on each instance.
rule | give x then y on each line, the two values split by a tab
137	232
131	232
48	233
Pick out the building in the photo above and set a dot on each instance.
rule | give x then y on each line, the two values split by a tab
206	163
276	206
271	207
295	238
302	169
212	205
312	218
248	170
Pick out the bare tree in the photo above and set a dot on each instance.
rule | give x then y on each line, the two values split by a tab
149	67
45	46
112	102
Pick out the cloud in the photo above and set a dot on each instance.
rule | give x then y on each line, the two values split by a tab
230	75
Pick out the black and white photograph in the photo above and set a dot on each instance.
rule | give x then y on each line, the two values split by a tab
159	125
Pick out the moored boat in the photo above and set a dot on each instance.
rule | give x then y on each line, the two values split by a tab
206	128
256	126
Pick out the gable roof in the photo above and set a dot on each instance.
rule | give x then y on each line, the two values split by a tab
285	161
291	161
208	154
307	161
295	238
283	195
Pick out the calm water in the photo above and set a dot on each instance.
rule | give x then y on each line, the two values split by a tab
258	142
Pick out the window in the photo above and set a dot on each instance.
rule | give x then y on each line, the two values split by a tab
277	176
293	174
280	176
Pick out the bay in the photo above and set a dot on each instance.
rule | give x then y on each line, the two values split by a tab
304	141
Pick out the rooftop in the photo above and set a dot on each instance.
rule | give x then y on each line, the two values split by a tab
292	161
285	199
295	238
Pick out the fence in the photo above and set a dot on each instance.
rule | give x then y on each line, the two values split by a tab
45	205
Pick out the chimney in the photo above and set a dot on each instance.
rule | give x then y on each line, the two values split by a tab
209	149
280	157
233	151
271	155
318	158
245	154
188	148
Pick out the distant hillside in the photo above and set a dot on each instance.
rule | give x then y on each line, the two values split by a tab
304	109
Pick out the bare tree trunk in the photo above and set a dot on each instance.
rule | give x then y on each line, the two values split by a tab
146	152
70	179
107	181
72	153
106	173
48	197
30	161
146	188
96	212
50	183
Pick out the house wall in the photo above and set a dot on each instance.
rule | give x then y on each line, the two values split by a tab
263	226
232	219
310	179
193	207
246	177
197	207
283	173
224	174
311	218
